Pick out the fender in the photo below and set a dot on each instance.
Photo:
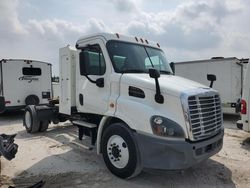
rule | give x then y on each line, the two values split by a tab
104	121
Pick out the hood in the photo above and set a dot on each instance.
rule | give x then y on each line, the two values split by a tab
169	84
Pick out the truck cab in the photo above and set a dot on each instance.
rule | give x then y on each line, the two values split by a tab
122	92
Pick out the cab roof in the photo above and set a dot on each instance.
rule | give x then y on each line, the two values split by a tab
118	37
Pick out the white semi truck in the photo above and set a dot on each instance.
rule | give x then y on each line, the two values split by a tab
229	73
24	82
121	91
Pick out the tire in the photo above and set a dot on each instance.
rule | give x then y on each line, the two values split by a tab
119	151
239	125
55	121
30	120
44	125
32	100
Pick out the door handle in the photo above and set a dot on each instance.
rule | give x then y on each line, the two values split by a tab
81	99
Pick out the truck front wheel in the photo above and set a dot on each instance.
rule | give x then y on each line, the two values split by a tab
30	121
119	151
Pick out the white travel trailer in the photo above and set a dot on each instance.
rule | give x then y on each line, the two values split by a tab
24	82
245	103
122	93
229	73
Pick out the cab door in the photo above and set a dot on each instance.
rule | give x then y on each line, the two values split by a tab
93	79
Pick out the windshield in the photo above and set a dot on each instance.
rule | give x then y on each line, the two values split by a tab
134	58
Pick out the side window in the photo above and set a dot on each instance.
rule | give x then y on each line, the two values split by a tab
31	71
156	61
92	61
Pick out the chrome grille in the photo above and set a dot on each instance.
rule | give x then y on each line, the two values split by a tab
205	115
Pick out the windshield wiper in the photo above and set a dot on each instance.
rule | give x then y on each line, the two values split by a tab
134	71
166	72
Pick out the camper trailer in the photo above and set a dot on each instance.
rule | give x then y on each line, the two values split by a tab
244	103
228	71
24	82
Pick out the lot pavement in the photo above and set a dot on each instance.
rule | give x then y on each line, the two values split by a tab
59	158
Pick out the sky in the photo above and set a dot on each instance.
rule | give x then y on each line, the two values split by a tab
185	29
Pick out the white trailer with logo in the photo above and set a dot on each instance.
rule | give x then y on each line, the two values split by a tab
24	82
228	71
245	103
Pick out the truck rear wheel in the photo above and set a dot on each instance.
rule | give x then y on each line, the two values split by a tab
119	151
30	120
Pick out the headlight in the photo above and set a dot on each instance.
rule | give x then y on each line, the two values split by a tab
158	120
162	126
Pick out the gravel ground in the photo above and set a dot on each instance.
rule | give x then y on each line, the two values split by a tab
59	158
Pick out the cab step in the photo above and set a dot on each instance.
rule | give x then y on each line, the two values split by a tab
84	124
85	128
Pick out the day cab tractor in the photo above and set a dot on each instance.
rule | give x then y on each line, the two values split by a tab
122	93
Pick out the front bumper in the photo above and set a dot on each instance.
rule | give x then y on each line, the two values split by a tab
160	153
2	104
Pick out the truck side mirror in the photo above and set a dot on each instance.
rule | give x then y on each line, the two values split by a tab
211	78
83	58
172	66
153	73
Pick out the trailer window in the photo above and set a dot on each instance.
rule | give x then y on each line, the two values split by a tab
92	61
31	71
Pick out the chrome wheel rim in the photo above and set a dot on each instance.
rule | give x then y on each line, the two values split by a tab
28	119
117	150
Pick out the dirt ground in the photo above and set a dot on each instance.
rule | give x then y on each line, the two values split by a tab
59	158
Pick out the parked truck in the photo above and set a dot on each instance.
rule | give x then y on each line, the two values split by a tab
121	92
24	82
229	72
